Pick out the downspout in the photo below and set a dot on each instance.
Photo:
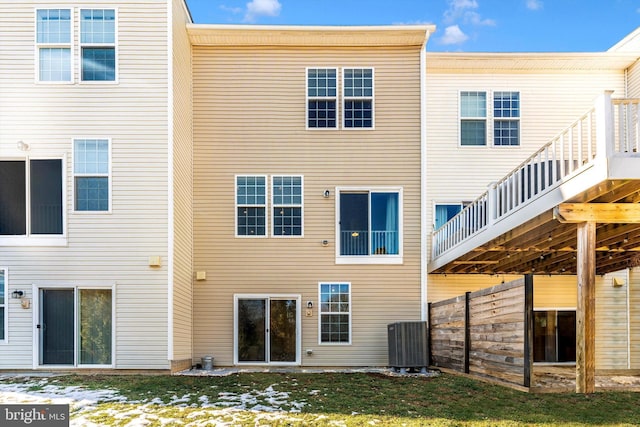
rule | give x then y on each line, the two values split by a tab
423	178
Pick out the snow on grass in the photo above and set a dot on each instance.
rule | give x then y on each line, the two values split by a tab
255	406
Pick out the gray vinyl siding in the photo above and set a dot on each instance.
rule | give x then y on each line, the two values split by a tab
103	249
182	186
249	118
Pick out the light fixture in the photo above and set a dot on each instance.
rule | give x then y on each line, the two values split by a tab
22	146
309	304
17	294
326	193
355	234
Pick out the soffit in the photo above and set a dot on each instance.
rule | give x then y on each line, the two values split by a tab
529	62
252	35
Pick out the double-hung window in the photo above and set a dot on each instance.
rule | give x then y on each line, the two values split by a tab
98	44
31	201
335	313
91	174
322	98
358	97
506	118
370	224
473	118
3	304
287	205
251	205
53	40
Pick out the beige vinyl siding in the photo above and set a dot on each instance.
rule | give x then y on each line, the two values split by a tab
633	80
249	116
182	186
612	322
548	291
634	317
106	249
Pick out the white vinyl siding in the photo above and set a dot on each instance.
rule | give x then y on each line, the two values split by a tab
182	117
116	247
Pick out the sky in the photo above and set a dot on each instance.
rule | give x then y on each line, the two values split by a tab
461	25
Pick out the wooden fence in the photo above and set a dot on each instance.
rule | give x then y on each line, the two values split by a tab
488	333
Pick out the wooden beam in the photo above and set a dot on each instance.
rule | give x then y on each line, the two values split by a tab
585	316
619	213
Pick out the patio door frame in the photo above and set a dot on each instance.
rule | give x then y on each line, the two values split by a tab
556	337
268	298
37	332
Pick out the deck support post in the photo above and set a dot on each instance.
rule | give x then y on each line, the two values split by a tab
585	317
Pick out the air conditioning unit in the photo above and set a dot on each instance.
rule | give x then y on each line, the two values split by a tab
408	345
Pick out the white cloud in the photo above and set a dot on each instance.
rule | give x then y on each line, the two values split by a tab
475	19
534	4
453	35
234	10
256	8
457	9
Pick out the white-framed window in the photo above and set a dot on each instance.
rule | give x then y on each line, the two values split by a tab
335	313
91	171
98	44
4	312
31	198
251	205
369	228
473	118
506	118
357	98
322	98
287	202
443	212
54	45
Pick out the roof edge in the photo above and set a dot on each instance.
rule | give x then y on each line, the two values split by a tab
297	35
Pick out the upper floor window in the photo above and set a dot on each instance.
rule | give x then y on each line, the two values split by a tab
3	304
506	115
97	44
31	197
287	205
473	118
322	97
358	98
251	205
369	224
53	38
91	174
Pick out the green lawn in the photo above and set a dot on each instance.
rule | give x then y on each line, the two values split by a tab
354	399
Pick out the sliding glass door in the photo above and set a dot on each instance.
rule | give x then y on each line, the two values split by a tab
75	326
267	329
554	336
